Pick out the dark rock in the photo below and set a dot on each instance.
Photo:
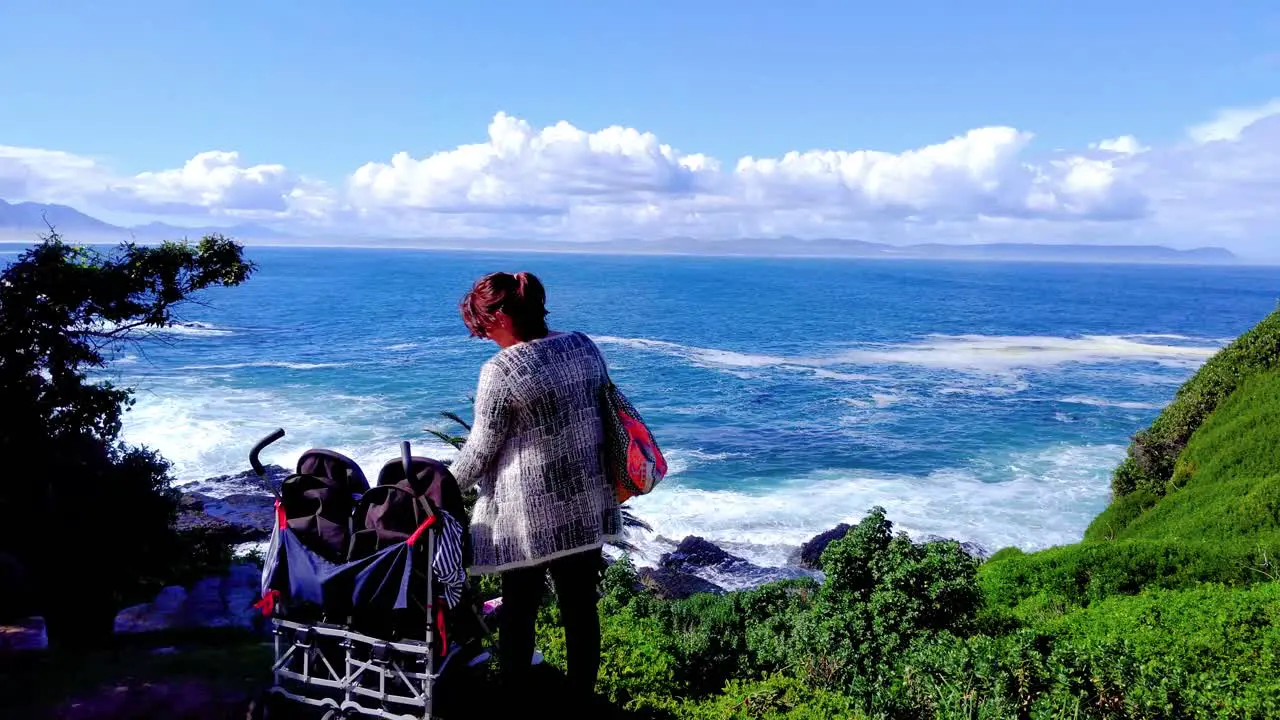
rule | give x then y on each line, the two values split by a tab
696	552
810	554
253	512
235	518
674	584
245	482
219	601
973	549
701	557
207	530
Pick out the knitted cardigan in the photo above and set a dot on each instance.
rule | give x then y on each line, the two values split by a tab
536	453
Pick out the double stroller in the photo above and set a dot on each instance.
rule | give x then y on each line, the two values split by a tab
366	588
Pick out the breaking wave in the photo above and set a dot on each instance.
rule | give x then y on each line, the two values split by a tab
267	364
1121	404
962	353
1032	499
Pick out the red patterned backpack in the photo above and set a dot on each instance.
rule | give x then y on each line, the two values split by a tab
635	464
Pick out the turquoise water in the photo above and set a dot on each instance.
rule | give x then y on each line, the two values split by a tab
986	402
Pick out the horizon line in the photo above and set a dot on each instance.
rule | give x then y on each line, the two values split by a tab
310	244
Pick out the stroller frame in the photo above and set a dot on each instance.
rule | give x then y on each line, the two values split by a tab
328	665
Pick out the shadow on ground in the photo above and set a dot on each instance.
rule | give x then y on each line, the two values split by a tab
217	675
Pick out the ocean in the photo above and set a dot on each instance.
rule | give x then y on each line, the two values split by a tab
987	402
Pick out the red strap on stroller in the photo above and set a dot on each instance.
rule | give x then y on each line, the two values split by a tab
421	529
444	635
268	602
281	521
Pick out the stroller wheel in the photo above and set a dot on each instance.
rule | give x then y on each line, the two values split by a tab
334	715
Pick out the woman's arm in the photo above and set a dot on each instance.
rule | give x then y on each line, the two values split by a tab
488	430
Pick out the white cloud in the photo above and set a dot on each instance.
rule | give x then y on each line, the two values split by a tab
214	180
986	184
211	183
1230	122
589	182
31	172
520	170
1124	145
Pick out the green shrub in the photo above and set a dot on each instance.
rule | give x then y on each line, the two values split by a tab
1154	451
882	593
713	639
777	697
945	676
1212	652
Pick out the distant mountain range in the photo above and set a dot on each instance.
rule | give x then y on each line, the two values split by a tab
23	221
29	219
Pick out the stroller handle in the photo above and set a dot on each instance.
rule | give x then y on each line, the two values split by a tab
406	461
257	450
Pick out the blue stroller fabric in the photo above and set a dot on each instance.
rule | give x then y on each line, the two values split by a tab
381	581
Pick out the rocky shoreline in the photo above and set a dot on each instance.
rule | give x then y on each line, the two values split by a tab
699	565
236	518
695	565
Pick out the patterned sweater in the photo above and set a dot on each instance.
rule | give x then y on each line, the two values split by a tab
536	452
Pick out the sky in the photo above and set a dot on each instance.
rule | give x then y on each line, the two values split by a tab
1032	121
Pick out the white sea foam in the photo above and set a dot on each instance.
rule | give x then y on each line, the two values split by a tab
206	431
1030	500
884	400
401	347
845	376
1013	386
1101	402
878	401
195	328
705	356
267	364
188	328
963	353
985	353
680	461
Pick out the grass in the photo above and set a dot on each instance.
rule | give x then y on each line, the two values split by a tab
1225	484
1154	452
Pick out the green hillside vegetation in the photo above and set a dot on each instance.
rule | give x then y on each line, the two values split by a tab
1150	466
1226	483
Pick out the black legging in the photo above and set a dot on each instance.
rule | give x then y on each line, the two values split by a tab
576	579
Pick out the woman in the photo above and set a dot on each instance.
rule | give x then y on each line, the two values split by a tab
535	452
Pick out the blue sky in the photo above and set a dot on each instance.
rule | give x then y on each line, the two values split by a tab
325	87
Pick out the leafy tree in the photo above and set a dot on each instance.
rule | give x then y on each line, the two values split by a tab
88	517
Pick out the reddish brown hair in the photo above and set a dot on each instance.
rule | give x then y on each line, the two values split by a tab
520	297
